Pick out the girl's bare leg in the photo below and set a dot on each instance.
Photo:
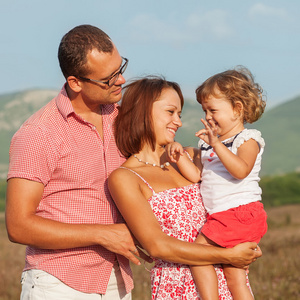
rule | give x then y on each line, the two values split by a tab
205	277
236	281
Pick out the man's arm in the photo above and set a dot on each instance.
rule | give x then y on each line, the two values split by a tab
25	227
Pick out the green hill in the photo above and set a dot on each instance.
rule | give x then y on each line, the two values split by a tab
281	189
15	108
280	128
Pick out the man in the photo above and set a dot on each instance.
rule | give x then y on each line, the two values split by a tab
58	201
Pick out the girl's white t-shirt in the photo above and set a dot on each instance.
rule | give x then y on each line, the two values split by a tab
220	190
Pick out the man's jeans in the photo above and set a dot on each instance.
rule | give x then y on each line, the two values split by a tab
40	285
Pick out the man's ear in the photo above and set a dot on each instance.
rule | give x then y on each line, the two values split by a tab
74	84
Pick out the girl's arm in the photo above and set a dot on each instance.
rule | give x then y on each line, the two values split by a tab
126	191
191	170
238	165
241	164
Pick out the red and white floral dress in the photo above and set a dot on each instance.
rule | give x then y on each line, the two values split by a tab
181	214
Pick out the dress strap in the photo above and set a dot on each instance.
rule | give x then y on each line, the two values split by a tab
149	186
188	155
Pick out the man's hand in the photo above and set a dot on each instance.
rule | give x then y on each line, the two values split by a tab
119	240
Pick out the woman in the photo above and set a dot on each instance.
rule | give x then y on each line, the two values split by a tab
164	210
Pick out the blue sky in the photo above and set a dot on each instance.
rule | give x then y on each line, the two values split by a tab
186	41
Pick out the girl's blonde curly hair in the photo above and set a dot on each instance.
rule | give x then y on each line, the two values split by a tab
236	85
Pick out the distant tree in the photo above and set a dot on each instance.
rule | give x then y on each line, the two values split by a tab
281	190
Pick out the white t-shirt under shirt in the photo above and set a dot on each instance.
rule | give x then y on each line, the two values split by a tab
219	189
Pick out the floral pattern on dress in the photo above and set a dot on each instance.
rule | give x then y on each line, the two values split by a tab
181	214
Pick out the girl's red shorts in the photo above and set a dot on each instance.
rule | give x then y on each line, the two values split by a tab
246	223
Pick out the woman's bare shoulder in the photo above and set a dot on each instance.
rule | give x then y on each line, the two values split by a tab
121	173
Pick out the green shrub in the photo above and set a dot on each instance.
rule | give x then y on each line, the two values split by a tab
281	190
2	194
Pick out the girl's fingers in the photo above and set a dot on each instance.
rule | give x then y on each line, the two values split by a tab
180	151
213	128
172	154
204	123
212	124
201	132
208	125
175	149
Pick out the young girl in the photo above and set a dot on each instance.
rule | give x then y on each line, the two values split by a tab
229	160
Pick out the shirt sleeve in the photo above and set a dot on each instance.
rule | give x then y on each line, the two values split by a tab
200	143
32	155
246	135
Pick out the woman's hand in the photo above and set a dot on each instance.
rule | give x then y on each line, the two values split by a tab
244	254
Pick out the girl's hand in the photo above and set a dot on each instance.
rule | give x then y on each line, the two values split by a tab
174	151
209	133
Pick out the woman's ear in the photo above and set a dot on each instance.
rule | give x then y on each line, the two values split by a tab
74	84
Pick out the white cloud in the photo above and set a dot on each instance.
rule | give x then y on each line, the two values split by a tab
261	10
212	25
147	28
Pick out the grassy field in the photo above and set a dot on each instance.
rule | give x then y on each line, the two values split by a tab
275	276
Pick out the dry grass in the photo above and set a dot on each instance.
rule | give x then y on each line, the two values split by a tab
11	265
276	276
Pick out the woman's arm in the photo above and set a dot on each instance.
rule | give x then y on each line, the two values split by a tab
126	191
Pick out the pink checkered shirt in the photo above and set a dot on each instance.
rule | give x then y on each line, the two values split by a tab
59	149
